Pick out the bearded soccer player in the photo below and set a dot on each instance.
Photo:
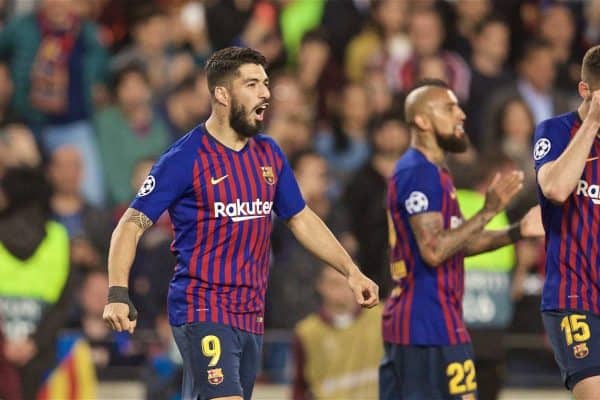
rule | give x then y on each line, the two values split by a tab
428	354
566	155
220	183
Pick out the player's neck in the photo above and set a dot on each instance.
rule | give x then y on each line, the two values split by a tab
430	149
220	129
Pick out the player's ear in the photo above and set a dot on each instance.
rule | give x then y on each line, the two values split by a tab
222	95
584	90
422	122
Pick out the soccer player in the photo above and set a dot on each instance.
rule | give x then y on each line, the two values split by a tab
220	183
428	354
566	155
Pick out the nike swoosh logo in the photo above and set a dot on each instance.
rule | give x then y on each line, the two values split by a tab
591	159
215	181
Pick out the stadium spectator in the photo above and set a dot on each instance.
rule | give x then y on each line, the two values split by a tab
291	293
58	66
108	348
34	276
557	26
128	131
180	108
490	49
18	147
534	83
345	146
324	366
426	32
469	14
7	114
149	47
365	198
383	43
88	227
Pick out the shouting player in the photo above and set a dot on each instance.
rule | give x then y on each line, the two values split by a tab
220	183
566	155
428	354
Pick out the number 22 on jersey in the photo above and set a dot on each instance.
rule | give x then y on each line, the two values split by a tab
462	377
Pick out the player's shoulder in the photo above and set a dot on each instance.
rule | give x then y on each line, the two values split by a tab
557	125
185	145
267	144
414	162
264	140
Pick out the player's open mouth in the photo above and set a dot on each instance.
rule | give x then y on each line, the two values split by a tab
260	111
460	129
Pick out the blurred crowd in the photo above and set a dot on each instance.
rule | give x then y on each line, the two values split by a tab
92	91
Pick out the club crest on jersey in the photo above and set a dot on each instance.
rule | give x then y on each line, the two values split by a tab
267	173
398	270
215	376
581	350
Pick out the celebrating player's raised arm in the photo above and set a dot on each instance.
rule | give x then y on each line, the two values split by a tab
316	237
120	313
530	226
437	244
559	173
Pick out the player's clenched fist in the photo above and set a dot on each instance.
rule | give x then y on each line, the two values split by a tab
502	189
120	313
365	290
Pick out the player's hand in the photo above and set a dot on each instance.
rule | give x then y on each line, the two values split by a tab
366	292
594	111
501	191
116	315
531	224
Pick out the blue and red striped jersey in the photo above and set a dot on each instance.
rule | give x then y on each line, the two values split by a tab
220	204
572	241
425	306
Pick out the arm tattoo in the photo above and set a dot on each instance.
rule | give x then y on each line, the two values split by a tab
437	244
139	219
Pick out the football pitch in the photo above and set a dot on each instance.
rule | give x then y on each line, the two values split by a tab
133	390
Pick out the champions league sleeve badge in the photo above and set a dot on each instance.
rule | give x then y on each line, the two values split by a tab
416	202
147	187
541	149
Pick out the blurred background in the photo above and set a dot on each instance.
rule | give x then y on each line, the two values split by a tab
92	91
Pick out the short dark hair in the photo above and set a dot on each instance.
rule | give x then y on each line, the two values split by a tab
225	63
120	74
590	67
532	46
487	21
143	13
315	35
26	186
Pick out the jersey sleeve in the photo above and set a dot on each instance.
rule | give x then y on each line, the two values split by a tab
169	178
288	199
550	141
419	190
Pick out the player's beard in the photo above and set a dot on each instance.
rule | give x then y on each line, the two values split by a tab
238	120
452	143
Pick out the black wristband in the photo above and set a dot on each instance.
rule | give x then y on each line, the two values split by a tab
120	294
514	233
